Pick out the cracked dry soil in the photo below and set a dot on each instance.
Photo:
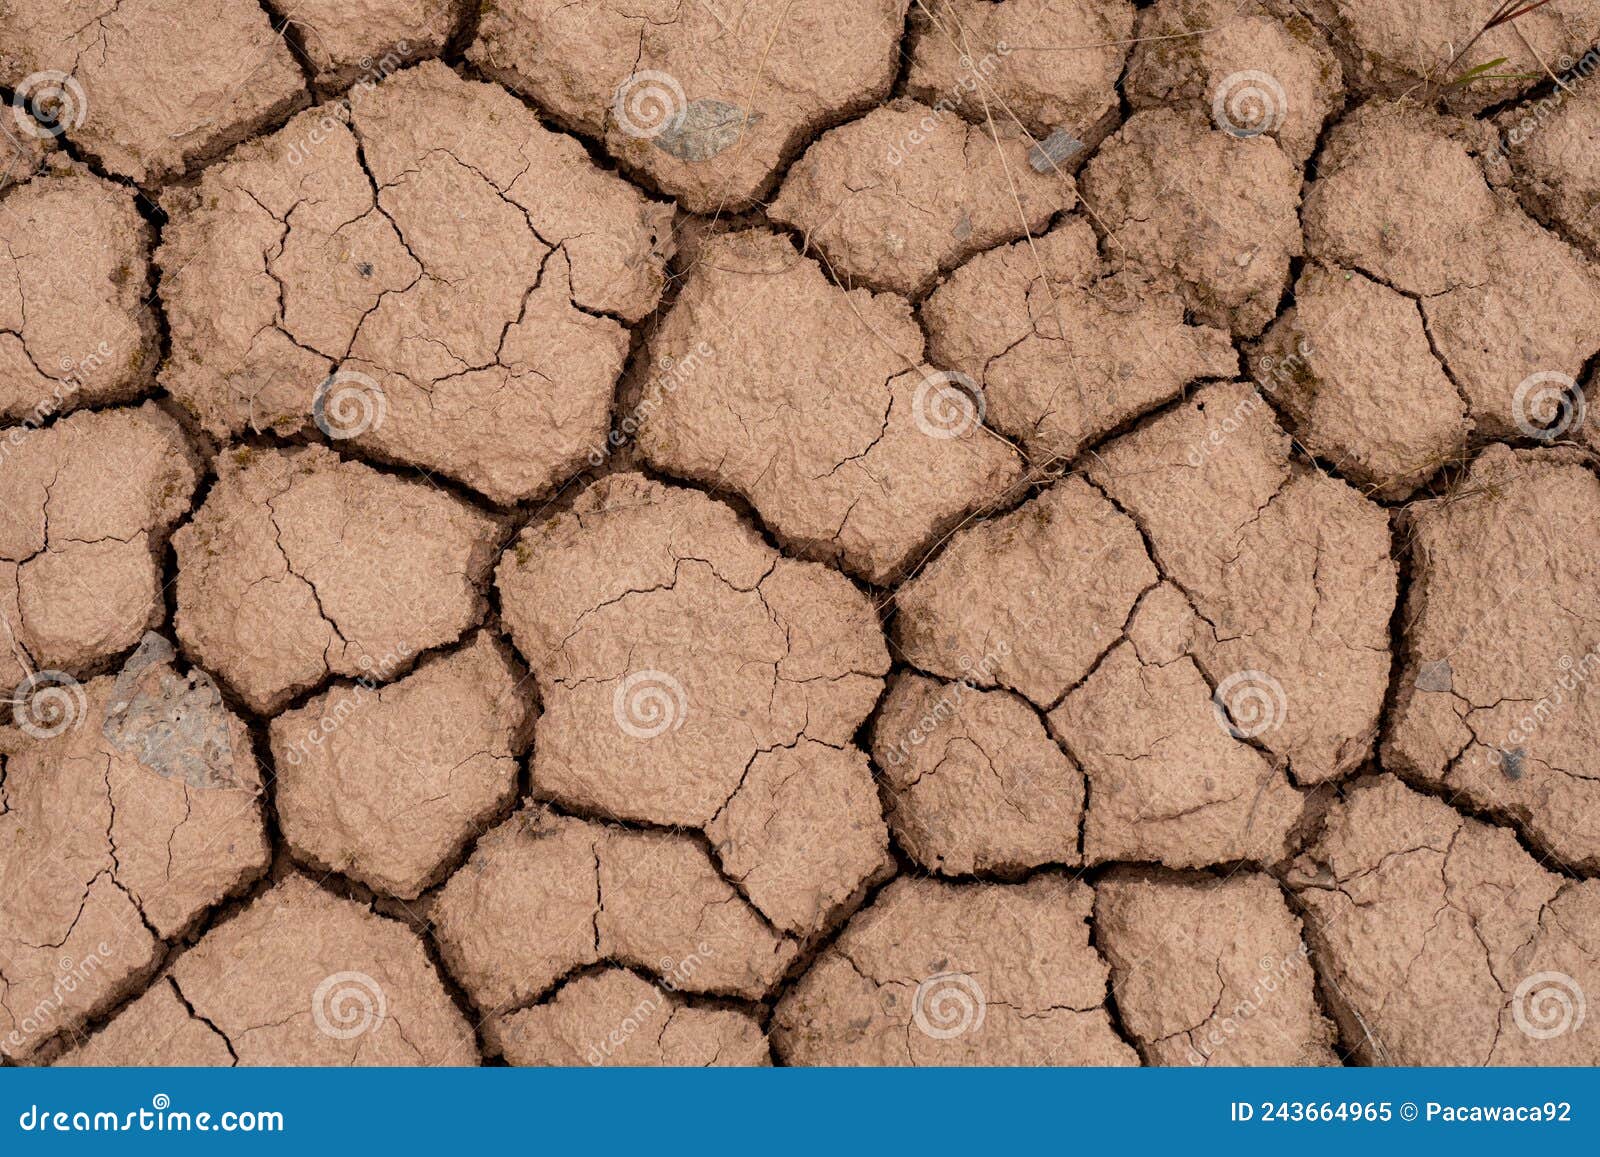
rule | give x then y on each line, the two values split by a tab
1038	532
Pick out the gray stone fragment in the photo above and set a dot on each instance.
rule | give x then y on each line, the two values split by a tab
1050	153
175	725
1435	676
703	129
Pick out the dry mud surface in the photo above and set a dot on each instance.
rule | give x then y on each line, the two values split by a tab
1026	532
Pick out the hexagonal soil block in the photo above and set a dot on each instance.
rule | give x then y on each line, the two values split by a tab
1288	568
672	647
988	60
1192	206
815	405
1443	942
387	784
1257	69
1495	701
302	977
85	508
425	274
300	565
1351	363
74	269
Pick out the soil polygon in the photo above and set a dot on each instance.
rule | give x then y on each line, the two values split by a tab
916	532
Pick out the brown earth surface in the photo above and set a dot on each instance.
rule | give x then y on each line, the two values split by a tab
862	532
